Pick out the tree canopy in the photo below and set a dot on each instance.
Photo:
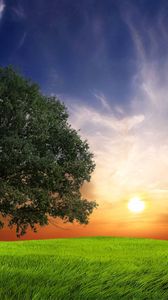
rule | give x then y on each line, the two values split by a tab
43	160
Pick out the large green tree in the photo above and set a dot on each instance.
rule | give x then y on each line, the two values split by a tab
43	160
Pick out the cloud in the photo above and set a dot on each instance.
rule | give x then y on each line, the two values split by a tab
101	97
22	40
19	11
113	142
2	8
131	150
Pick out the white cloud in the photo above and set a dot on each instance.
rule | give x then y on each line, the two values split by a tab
131	151
22	40
2	8
101	97
113	142
19	11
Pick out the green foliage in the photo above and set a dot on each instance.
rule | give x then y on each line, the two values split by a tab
86	269
43	161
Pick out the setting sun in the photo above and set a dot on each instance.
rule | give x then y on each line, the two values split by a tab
136	205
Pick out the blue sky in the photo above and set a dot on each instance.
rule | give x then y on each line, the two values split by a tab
108	61
76	49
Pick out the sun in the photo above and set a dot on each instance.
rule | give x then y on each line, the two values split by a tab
136	205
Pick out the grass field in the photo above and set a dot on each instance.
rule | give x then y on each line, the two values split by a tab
84	268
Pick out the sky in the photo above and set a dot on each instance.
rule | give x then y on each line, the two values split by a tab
107	61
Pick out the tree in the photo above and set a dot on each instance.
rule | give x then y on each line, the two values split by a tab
43	160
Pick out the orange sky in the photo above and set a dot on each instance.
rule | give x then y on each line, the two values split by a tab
110	219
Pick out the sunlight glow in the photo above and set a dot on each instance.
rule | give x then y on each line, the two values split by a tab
136	205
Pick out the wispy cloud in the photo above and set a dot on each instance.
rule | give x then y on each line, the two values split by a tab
2	8
19	11
104	102
116	148
22	40
131	150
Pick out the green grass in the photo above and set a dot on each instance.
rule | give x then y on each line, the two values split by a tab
84	268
